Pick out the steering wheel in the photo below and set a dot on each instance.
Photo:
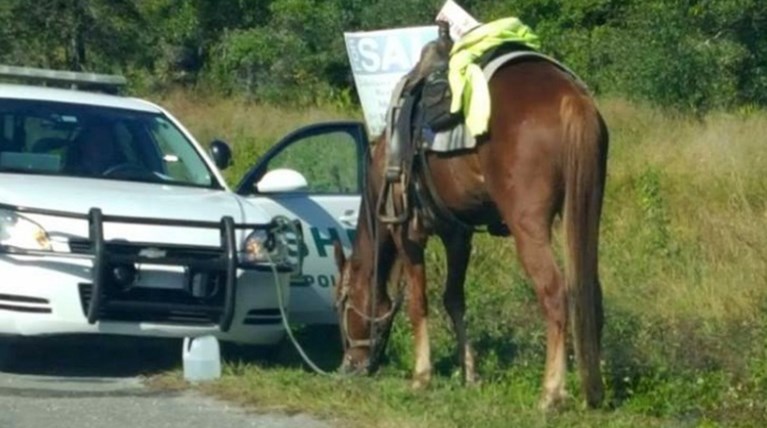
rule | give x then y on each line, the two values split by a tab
126	167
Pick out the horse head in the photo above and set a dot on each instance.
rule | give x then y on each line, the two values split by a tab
365	313
354	333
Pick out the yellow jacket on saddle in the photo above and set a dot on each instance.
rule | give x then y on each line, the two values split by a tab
467	81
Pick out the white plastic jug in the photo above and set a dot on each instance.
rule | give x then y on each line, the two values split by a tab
202	358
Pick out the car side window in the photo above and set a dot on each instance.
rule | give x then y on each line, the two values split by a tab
329	162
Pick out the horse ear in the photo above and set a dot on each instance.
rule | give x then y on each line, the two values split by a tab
338	249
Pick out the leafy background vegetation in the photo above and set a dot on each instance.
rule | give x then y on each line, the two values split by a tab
683	86
693	55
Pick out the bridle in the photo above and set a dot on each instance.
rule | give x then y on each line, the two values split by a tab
344	306
375	341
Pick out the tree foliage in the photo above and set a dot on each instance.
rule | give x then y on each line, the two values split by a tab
691	54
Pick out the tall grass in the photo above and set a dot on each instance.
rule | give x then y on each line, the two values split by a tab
683	265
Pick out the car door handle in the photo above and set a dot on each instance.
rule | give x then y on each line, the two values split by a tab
349	218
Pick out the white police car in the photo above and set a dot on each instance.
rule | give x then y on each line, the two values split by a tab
114	220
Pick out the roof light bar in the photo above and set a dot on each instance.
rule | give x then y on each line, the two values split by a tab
61	76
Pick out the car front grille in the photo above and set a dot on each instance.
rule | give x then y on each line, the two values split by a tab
79	246
24	304
267	316
152	305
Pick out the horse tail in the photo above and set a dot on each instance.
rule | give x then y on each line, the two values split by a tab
586	140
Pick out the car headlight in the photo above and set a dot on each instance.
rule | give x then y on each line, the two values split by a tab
258	246
20	232
273	245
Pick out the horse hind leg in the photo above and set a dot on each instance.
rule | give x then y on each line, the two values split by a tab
532	235
458	245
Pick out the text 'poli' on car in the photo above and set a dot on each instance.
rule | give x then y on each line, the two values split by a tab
114	220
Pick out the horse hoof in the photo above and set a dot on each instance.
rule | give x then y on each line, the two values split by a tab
420	381
473	382
553	402
472	379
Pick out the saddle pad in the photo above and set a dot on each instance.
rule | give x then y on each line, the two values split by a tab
459	137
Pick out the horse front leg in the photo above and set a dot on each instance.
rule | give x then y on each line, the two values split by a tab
458	246
418	312
414	270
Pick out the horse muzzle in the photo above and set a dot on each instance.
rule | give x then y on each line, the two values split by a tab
351	366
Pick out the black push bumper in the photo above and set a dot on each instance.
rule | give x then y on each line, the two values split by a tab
210	271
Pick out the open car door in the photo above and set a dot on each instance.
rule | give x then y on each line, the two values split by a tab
314	174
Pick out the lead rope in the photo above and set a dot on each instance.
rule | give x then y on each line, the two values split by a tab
373	230
284	222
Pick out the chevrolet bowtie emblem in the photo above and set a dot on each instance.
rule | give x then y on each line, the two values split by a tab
152	253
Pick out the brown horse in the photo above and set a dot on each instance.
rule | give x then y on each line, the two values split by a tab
545	155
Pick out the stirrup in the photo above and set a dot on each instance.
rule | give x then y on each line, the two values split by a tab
385	210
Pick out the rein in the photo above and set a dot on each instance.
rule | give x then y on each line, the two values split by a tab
344	303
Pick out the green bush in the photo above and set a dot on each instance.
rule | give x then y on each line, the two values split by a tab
695	56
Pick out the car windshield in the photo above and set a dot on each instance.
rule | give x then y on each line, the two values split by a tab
40	137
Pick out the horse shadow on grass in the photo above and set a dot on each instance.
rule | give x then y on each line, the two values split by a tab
503	349
512	342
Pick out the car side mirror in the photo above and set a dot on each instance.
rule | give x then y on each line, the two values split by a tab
282	180
221	154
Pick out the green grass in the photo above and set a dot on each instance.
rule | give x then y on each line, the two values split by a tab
683	264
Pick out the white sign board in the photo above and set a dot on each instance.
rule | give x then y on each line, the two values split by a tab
379	59
460	21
